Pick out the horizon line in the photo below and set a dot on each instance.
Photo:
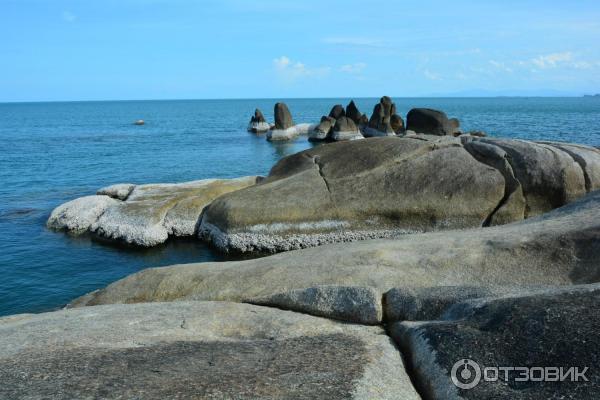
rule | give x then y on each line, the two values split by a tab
299	98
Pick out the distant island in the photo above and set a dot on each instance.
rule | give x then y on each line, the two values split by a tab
592	95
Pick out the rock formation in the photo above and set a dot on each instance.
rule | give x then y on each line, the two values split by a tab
385	319
258	124
143	215
384	187
345	129
431	122
322	131
283	117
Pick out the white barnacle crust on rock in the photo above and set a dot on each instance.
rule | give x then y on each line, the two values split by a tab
143	215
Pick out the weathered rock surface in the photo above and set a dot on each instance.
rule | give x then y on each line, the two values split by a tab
76	216
148	215
557	248
588	159
191	350
347	303
258	124
283	117
549	176
433	303
556	328
345	129
432	122
120	191
383	187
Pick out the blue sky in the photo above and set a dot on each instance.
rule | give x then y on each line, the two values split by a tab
166	49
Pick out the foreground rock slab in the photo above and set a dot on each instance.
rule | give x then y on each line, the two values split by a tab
191	350
143	215
557	328
385	187
561	247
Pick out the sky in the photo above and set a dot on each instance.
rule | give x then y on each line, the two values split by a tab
173	49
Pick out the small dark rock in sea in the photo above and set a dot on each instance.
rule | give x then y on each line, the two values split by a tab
139	122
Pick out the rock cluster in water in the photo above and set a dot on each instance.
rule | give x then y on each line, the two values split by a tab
490	252
349	123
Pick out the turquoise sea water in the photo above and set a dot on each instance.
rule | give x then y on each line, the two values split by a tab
53	152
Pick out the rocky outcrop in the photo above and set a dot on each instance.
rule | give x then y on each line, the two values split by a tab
384	187
148	215
258	124
431	122
557	248
283	117
345	129
191	350
555	329
337	112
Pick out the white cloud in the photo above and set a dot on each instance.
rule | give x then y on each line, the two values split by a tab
291	71
552	60
68	16
432	76
356	68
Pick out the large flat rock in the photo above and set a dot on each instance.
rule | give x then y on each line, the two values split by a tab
543	329
191	350
561	247
144	215
387	187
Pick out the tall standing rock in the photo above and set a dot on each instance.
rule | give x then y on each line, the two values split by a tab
337	111
283	117
432	122
353	113
380	122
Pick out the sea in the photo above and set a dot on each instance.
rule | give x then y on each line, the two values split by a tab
53	152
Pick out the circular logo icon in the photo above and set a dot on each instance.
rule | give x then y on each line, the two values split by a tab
466	374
